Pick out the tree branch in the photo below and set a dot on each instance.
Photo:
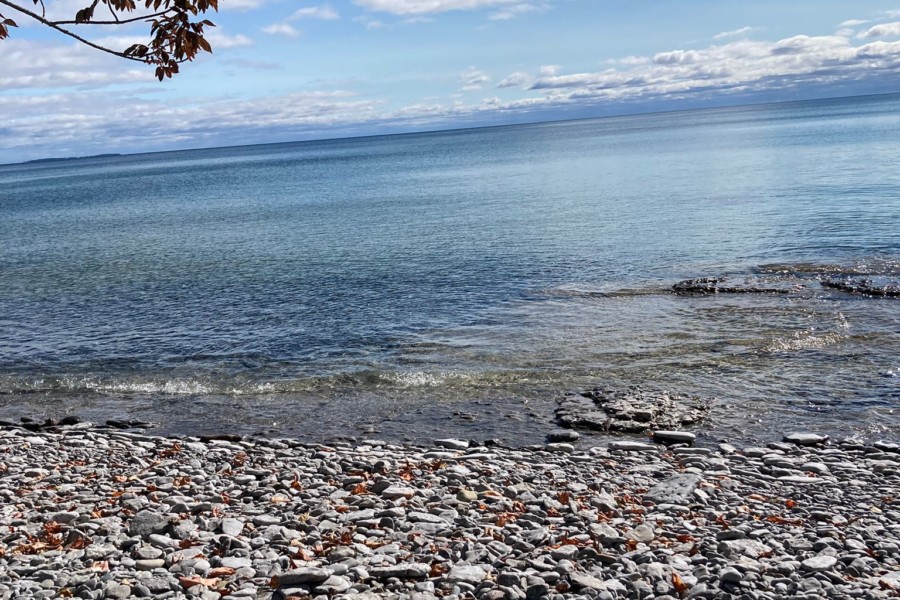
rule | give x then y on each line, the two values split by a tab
65	31
117	21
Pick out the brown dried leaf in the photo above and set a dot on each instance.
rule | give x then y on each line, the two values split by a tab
680	586
189	582
101	566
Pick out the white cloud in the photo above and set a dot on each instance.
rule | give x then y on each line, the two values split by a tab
369	22
548	70
736	66
29	64
511	12
472	79
419	7
514	80
734	33
223	41
883	30
284	29
676	57
852	23
324	13
56	120
84	123
241	5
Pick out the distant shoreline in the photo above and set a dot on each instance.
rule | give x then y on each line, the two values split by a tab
68	158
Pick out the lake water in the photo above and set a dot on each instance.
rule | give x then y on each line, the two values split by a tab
457	283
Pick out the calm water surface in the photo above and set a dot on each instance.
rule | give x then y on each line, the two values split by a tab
457	283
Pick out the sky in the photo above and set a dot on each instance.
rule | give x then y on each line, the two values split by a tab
285	70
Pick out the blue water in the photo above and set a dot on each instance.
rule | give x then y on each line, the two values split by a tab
459	282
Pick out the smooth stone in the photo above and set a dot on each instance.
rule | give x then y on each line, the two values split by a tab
146	523
395	492
117	591
819	563
305	575
466	496
730	575
560	447
565	435
236	562
887	446
232	527
641	533
401	571
633	447
677	489
798	479
334	585
466	574
805	439
149	564
750	548
584	581
815	467
451	443
674	437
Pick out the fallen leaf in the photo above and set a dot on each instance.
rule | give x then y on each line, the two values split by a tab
189	582
680	586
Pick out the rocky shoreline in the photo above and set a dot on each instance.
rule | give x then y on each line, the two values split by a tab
112	514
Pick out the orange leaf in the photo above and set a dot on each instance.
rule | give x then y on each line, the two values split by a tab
221	572
189	582
100	566
680	586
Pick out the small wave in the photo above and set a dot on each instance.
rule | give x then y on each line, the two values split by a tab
872	266
359	380
578	293
803	341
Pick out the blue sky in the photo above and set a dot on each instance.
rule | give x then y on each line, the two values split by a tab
289	70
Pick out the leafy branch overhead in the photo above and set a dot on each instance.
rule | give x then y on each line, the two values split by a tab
176	27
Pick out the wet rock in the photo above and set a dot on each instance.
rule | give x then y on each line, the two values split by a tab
452	444
722	285
805	439
629	411
864	286
566	435
674	437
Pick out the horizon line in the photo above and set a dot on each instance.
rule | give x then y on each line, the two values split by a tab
450	129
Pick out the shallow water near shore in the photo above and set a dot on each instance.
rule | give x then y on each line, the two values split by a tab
457	283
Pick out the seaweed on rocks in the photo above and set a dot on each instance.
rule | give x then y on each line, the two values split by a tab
629	411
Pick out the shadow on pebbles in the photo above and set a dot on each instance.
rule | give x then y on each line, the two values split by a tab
100	514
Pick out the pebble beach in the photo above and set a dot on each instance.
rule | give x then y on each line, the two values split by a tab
94	514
